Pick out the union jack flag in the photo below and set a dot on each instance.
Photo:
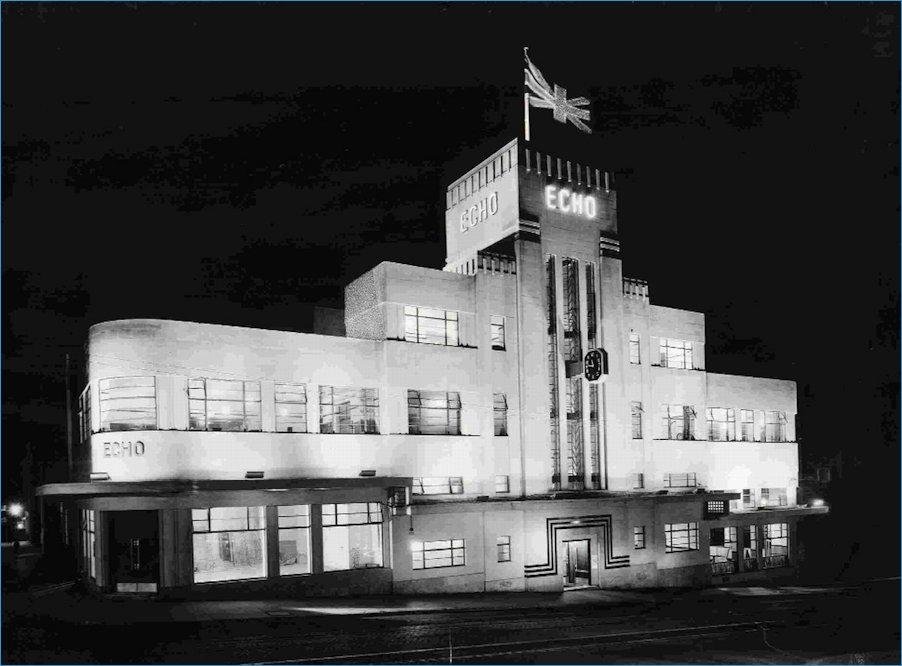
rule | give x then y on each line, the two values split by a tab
542	96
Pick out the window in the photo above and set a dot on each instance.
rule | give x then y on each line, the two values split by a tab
430	326
715	508
128	403
748	498
723	548
498	339
773	497
776	541
638	480
747	418
84	415
500	413
294	539
687	480
636	415
223	404
229	543
750	539
639	537
680	537
678	422
89	542
291	408
634	348
676	354
438	554
352	536
774	426
348	410
504	549
502	483
721	424
433	412
438	485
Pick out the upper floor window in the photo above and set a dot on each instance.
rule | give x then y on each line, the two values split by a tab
430	326
721	424
84	414
500	414
502	483
676	354
687	480
774	497
498	339
291	408
634	348
774	426
348	410
438	485
636	417
678	422
748	498
223	404
433	412
128	403
747	425
680	537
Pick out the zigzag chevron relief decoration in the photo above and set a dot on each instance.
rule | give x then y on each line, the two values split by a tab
553	525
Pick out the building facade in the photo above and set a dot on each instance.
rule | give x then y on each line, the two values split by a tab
454	439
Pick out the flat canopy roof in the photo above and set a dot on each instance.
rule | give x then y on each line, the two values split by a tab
177	487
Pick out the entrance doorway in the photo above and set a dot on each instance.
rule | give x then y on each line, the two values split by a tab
134	551
577	567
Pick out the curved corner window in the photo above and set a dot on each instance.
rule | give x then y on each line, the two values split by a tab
128	403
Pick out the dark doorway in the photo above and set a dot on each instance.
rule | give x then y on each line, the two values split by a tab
577	565
134	551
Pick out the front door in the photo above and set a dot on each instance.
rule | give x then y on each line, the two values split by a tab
134	551
576	564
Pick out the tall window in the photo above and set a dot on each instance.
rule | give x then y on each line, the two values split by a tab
553	388
438	554
676	354
776	540
750	539
504	548
678	422
575	458
433	412
128	403
84	415
430	326
291	408
438	485
748	498
685	480
634	349
747	418
591	317
294	539
502	483
775	426
639	537
229	543
89	542
773	497
721	424
500	413
352	536
636	417
723	544
223	404
498	340
348	410
680	537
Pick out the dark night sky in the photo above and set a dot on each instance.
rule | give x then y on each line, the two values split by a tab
236	163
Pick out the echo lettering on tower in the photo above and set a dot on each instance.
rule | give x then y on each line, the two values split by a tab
570	202
479	211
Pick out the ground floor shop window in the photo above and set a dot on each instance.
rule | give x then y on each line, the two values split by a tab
229	543
439	554
294	539
352	536
89	541
775	549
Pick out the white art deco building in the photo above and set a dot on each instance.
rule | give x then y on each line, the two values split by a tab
453	440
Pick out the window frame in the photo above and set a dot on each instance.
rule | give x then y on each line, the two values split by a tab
307	531
206	402
260	521
635	352
418	332
502	481
430	547
105	410
452	410
686	416
362	399
503	544
498	332
636	419
671	349
639	537
449	485
728	421
302	402
677	530
499	414
776	426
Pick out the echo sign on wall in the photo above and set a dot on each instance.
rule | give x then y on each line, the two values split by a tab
479	212
570	202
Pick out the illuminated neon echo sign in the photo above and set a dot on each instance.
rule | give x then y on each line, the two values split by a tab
480	211
570	202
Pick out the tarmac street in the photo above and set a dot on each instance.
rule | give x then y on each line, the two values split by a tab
797	624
